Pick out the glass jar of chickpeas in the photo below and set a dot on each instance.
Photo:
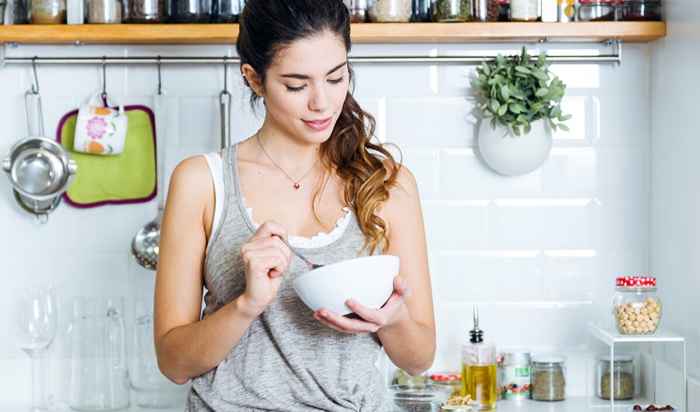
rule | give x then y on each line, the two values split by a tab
636	307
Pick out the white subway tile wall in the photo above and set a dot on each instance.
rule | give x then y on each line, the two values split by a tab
538	253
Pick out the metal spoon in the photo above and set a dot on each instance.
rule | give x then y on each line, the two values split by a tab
145	245
300	256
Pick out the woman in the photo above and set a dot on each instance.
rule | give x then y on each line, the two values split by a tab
310	169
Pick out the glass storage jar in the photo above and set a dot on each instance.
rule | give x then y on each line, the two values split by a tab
524	10
596	10
145	11
548	378
636	307
641	10
515	375
390	11
189	11
421	10
358	10
227	11
48	11
104	11
452	10
623	377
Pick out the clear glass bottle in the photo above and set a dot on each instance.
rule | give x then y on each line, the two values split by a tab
636	307
452	10
390	11
548	379
48	11
479	369
524	10
623	377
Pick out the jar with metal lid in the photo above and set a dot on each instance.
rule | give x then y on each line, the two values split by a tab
641	10
48	11
227	11
623	379
189	11
515	375
596	10
636	307
548	380
524	10
104	11
421	10
358	10
390	11
145	11
452	10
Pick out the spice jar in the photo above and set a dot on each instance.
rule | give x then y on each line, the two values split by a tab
503	10
636	307
358	10
596	10
104	11
623	377
421	10
189	11
452	10
227	11
515	375
146	11
641	10
548	380
48	11
524	10
390	11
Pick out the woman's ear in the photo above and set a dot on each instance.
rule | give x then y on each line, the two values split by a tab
252	79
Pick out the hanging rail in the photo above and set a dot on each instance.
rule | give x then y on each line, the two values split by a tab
615	58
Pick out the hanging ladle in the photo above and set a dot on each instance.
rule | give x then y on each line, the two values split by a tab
145	245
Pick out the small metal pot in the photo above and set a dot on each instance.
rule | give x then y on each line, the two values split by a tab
40	171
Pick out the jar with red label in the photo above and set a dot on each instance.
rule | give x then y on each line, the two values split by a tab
636	307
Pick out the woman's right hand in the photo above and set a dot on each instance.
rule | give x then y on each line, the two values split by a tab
266	258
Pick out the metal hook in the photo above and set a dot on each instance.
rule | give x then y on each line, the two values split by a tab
35	83
104	78
160	80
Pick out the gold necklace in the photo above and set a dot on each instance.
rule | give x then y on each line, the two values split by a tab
296	182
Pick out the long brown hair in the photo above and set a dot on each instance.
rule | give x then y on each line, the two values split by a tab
368	170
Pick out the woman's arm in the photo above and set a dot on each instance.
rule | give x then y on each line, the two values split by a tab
187	347
410	340
405	324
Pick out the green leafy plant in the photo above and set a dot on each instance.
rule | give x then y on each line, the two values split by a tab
515	91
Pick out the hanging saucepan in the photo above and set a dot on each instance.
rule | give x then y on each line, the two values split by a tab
39	168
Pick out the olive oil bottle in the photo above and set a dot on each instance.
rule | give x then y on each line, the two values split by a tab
479	368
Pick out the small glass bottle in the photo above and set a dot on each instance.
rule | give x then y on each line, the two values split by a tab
623	377
48	11
524	10
548	379
636	307
479	369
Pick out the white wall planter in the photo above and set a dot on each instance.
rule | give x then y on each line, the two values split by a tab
514	155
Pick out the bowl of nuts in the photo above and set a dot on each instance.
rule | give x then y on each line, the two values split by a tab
636	307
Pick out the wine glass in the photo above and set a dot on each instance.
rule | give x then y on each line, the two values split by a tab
36	327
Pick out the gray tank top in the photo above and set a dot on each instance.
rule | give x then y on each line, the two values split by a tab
286	360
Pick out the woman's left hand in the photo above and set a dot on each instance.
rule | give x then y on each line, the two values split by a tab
370	320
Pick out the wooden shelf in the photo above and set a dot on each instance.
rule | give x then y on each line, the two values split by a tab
361	33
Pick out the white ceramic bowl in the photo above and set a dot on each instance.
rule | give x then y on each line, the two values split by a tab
369	280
